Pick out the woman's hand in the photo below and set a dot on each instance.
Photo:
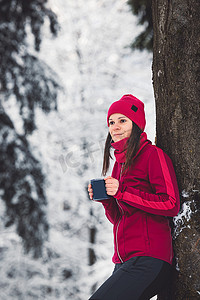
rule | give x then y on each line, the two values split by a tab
90	191
112	185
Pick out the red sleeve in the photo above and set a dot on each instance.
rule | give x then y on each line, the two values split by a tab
165	197
111	209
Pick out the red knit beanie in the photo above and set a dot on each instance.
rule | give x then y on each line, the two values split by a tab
131	107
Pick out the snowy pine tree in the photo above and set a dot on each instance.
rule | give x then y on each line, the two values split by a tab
142	8
33	84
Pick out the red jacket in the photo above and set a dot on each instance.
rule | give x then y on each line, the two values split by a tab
147	195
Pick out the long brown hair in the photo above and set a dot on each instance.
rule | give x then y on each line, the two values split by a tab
131	148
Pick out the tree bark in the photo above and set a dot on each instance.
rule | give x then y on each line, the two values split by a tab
176	61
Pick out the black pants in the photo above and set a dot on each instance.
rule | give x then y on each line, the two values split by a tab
139	278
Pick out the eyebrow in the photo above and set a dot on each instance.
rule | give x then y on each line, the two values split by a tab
117	118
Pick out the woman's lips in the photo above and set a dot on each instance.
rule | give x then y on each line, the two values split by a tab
117	134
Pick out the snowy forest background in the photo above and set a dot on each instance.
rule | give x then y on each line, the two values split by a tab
93	65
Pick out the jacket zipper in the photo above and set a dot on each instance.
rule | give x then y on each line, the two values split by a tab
117	246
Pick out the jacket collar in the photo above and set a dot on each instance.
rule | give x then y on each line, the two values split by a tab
121	147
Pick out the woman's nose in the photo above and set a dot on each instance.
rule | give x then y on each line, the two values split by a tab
116	126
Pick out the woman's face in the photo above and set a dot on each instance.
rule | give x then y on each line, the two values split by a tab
120	127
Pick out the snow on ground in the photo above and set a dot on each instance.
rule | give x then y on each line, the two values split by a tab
95	66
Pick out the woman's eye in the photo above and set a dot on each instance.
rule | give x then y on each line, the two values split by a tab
111	123
123	120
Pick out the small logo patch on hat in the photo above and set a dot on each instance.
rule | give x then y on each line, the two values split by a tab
134	108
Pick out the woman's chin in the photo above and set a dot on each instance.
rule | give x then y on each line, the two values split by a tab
118	138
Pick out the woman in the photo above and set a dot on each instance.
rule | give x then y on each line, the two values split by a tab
143	193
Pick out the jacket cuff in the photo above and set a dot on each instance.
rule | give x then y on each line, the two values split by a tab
105	202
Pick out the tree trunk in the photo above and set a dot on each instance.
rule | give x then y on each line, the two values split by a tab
176	61
92	240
